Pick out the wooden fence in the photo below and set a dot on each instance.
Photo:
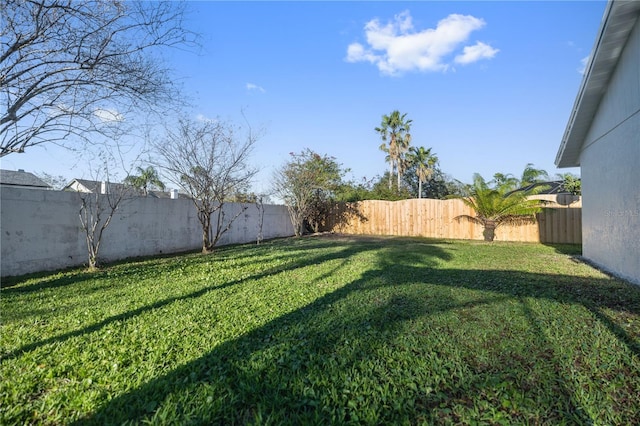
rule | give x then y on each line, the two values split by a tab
560	222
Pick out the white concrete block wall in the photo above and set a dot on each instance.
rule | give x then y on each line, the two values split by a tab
40	230
610	171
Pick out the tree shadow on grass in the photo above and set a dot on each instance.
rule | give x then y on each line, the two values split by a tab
397	345
69	276
299	258
46	280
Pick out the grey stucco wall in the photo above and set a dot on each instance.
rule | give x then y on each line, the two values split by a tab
40	230
610	170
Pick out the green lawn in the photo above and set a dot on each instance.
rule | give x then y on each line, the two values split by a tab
325	330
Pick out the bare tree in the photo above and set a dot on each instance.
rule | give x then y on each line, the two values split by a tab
97	208
99	205
71	68
209	160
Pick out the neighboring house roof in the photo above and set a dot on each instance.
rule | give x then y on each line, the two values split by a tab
22	179
85	185
551	187
82	185
618	21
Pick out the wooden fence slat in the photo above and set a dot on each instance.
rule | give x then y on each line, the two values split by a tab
558	223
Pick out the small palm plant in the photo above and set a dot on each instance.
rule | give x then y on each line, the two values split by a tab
499	204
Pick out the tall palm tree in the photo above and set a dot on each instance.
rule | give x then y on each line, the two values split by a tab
495	206
395	128
388	158
425	163
145	179
403	146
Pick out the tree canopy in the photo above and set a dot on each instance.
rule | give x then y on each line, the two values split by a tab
306	183
395	129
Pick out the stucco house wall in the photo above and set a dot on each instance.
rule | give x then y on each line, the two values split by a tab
603	138
610	171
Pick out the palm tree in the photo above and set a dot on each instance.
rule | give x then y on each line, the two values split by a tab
531	175
495	206
146	178
425	163
570	183
394	128
506	180
403	146
388	158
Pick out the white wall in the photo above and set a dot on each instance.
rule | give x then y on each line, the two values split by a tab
610	171
40	230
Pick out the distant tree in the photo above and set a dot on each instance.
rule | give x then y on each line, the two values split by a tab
381	191
68	68
146	179
307	184
243	197
505	181
209	161
531	175
55	182
454	188
439	186
571	183
424	162
351	191
395	129
496	205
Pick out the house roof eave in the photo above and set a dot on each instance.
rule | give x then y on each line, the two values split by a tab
617	23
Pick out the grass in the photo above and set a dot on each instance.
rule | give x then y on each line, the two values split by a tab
325	330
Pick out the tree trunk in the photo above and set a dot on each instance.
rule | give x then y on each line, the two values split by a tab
489	230
205	220
390	174
93	262
419	188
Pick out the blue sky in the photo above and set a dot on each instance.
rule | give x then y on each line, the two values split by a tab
489	85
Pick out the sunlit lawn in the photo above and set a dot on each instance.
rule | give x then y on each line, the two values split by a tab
326	330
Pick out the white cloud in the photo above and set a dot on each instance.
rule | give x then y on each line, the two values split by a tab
397	47
251	86
205	119
583	65
107	115
475	53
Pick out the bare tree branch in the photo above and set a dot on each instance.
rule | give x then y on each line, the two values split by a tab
63	62
98	207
